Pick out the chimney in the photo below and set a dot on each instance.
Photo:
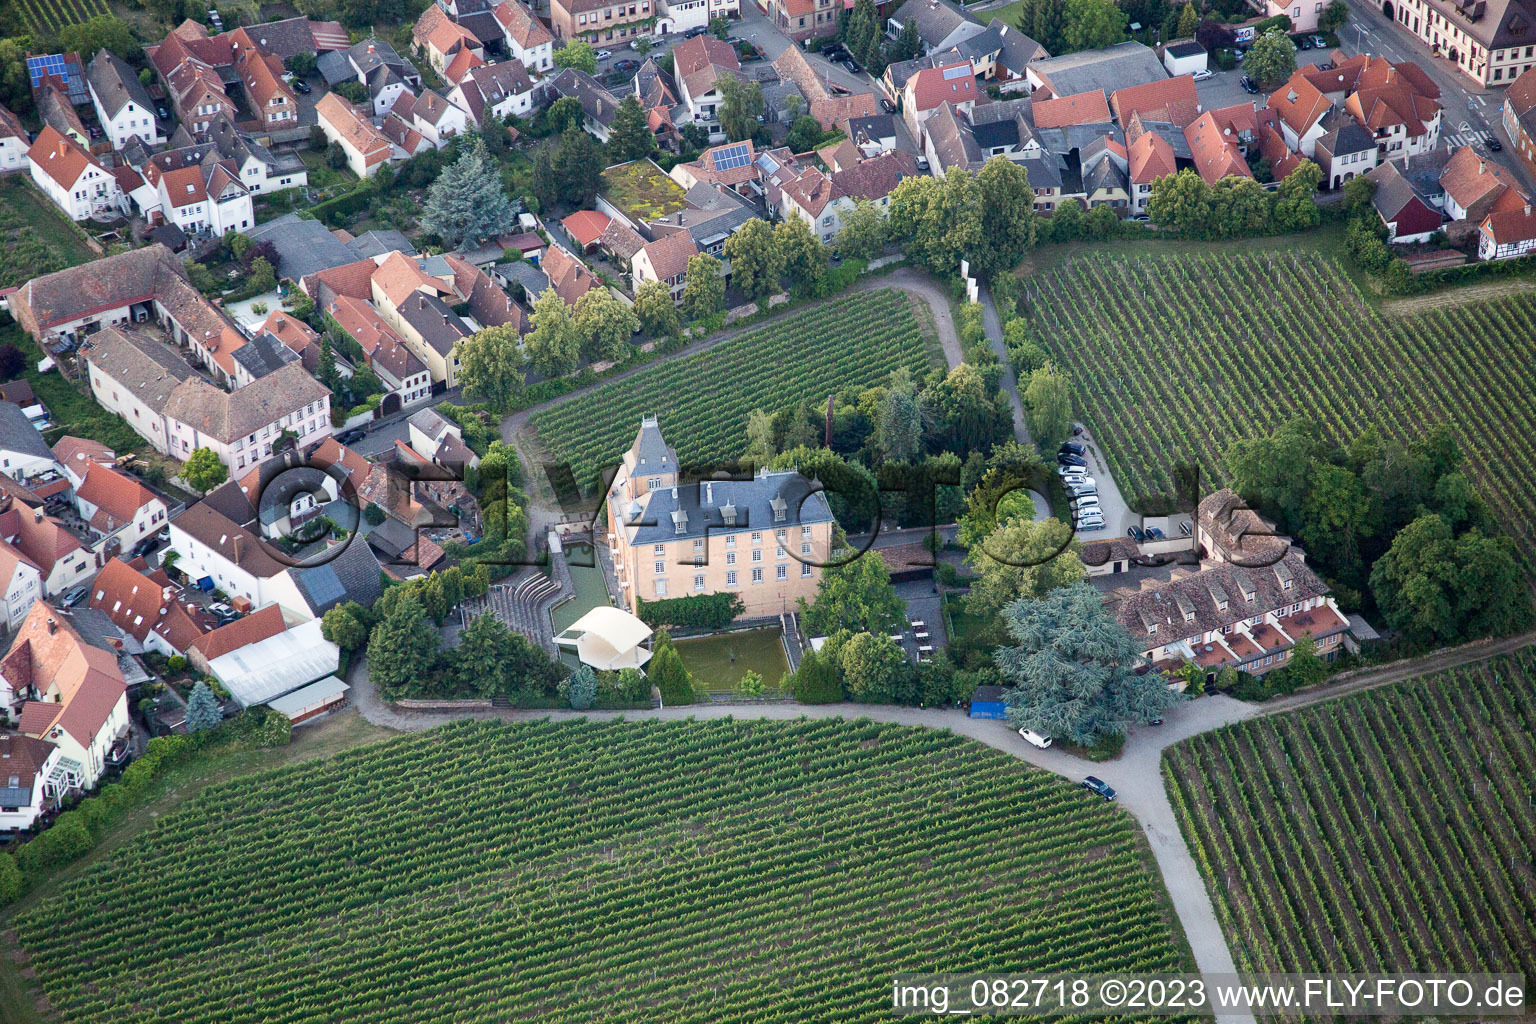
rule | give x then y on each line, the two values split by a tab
239	548
53	627
1527	209
37	515
709	493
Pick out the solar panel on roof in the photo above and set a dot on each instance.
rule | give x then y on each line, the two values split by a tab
767	163
958	71
731	157
48	64
323	584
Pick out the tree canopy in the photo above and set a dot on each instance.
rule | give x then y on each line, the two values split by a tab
577	54
491	366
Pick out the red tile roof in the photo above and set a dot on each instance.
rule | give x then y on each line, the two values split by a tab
1151	157
1169	99
117	496
1214	150
1299	104
137	603
586	226
61	158
1509	227
250	629
81	684
1080	108
949	83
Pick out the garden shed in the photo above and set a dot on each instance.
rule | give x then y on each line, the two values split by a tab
987	702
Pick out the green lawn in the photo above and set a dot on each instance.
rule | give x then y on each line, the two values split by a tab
70	405
35	238
719	662
642	190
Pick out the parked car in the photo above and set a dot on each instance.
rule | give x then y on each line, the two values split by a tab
1034	739
165	115
74	595
352	436
1319	42
604	54
853	68
1099	786
1202	74
887	105
1187	528
1326	65
1302	42
1248	86
1064	470
833	50
1071	448
1153	533
1090	525
1136	534
1155	721
1070	460
627	66
694	33
299	85
1494	145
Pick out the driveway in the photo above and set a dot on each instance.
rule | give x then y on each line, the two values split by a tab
1118	515
1222	90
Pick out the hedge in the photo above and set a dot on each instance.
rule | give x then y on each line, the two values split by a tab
696	611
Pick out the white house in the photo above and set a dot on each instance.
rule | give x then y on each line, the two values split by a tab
366	147
242	427
115	504
1506	234
13	143
433	116
204	199
24	456
72	178
256	166
71	694
494	91
23	585
1184	58
25	767
528	41
122	103
211	546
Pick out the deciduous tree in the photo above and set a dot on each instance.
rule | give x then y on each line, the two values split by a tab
799	257
204	470
939	219
491	366
605	325
1271	60
854	596
703	288
1092	24
862	235
577	54
740	104
1048	405
656	310
1019	560
1007	216
554	344
754	259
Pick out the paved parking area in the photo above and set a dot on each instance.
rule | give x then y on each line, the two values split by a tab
1118	515
1222	90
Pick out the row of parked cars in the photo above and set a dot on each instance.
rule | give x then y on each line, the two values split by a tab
1072	465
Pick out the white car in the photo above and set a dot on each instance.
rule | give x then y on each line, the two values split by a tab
1080	484
604	54
1034	739
1202	74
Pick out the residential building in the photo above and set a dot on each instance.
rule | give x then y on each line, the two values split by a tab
1304	14
1399	105
1476	186
1148	158
375	64
1490	43
133	376
1215	148
244	426
440	441
1089	107
263	354
14	143
270	98
802	20
366	147
60	554
396	366
822	200
73	179
116	505
828	108
1300	107
432	116
24	456
1519	121
122	103
930	88
940	24
763	539
1408	215
132	287
22	582
600	22
665	259
258	168
527	40
1184	58
567	275
1170	100
1507	233
597	102
442	40
55	111
147	607
202	198
698	66
494	91
27	766
70	694
1344	153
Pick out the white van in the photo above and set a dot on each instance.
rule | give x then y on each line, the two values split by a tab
1034	739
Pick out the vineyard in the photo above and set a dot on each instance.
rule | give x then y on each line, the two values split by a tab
724	872
704	400
1174	357
1390	831
48	16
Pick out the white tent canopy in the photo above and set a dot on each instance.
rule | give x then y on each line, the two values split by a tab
608	639
256	673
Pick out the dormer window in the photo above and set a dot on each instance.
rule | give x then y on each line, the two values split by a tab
1151	629
1189	616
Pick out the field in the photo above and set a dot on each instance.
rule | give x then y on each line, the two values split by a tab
1392	830
1176	356
722	872
34	238
704	400
719	662
49	16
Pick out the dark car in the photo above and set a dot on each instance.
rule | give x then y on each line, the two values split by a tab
74	596
1248	86
1070	460
833	50
853	68
1100	787
887	105
1071	448
352	436
1153	533
627	65
694	33
1303	42
1494	145
299	85
1136	534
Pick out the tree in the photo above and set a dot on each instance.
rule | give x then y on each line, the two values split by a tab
760	438
1022	559
261	277
1093	24
481	660
604	324
656	310
630	136
580	688
740	105
403	649
799	257
577	54
1296	200
1358	192
939	219
103	32
750	684
874	666
202	709
467	202
578	166
1239	207
342	627
1271	60
899	432
554	344
1436	587
543	183
1189	21
855	596
753	258
1213	35
12	362
862	235
1271	472
302	64
1007	217
816	681
804	134
1334	16
491	366
720	28
703	288
967	411
15	79
564	114
1305	668
204	470
1048	405
1073	669
668	672
1181	202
